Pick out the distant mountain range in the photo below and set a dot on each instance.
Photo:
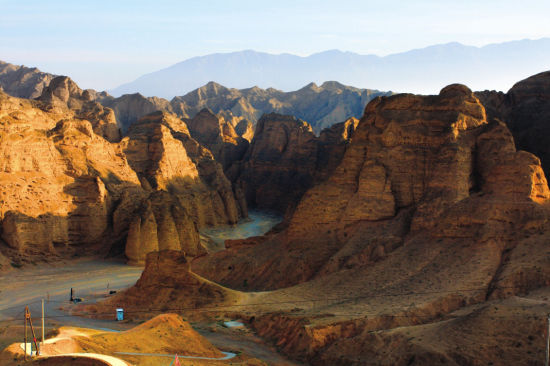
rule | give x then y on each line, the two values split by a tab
321	106
426	70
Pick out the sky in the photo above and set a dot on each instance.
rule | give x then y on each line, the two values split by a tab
102	44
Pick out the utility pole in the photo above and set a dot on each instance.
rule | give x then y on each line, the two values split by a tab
29	320
26	314
42	344
547	340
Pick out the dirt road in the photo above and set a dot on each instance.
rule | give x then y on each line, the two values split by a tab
90	279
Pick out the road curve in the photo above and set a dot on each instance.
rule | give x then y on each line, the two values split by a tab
228	356
109	360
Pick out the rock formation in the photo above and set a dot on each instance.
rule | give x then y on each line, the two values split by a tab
526	110
331	146
219	136
322	105
62	93
68	185
60	180
245	129
23	82
414	161
131	107
285	158
179	286
280	163
195	191
431	219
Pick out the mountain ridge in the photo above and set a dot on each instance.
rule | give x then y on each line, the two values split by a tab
422	70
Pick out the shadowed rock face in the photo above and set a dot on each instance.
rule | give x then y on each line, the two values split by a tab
280	163
526	111
219	136
131	107
23	82
285	158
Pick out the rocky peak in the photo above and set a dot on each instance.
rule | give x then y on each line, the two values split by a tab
131	107
23	82
62	88
536	86
526	111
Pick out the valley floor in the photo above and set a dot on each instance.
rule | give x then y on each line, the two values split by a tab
92	280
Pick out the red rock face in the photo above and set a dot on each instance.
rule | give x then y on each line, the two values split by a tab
417	167
526	111
426	230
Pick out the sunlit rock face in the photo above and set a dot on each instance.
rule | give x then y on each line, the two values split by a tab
60	180
69	183
167	159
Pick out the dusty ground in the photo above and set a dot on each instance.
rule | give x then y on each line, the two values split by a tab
90	279
156	339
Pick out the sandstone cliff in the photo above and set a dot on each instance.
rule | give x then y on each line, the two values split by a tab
63	93
162	152
285	158
415	161
526	110
60	180
433	215
69	186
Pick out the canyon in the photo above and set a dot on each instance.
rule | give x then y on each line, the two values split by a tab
413	234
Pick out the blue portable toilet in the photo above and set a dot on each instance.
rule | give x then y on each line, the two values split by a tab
119	314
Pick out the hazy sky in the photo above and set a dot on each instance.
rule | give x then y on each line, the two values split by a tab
102	44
